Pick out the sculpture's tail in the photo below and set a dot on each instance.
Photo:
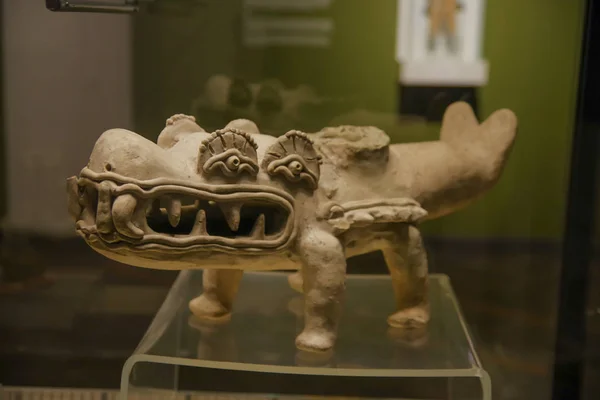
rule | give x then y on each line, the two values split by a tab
463	164
484	145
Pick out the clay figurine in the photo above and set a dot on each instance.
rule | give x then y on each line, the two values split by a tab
234	200
442	21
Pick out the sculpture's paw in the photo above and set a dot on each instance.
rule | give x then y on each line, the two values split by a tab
410	318
205	308
315	341
179	117
295	281
314	359
413	338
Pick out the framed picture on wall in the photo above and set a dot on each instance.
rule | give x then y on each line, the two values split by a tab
439	42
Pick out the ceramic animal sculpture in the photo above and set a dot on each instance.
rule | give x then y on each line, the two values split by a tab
442	20
235	200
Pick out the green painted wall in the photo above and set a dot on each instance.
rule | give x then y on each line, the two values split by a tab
533	48
532	45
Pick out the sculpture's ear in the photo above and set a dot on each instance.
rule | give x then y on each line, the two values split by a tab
294	158
175	127
458	120
244	125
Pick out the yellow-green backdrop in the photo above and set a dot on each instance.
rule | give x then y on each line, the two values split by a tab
534	50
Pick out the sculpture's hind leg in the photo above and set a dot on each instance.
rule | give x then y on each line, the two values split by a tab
407	261
219	289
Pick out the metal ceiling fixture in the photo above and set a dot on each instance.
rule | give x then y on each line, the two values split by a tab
106	6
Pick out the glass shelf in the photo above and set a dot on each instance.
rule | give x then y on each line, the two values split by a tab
254	354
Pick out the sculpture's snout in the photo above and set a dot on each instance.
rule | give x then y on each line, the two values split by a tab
178	217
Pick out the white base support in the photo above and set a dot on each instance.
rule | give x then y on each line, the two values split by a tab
444	72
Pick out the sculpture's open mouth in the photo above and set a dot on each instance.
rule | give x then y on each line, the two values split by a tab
140	215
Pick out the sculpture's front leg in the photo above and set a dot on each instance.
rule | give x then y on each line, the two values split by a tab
219	289
324	273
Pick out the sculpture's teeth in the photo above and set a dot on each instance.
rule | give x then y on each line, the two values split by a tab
122	212
73	198
258	230
174	211
88	212
199	228
104	222
112	237
232	214
153	208
140	215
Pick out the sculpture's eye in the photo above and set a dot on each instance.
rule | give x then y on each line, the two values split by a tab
293	168
230	152
294	158
296	167
233	162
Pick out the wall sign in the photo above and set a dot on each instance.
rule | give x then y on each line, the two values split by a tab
269	23
439	42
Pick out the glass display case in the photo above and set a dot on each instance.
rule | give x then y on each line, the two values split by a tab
512	279
180	352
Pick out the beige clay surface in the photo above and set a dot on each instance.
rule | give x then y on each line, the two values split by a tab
235	200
